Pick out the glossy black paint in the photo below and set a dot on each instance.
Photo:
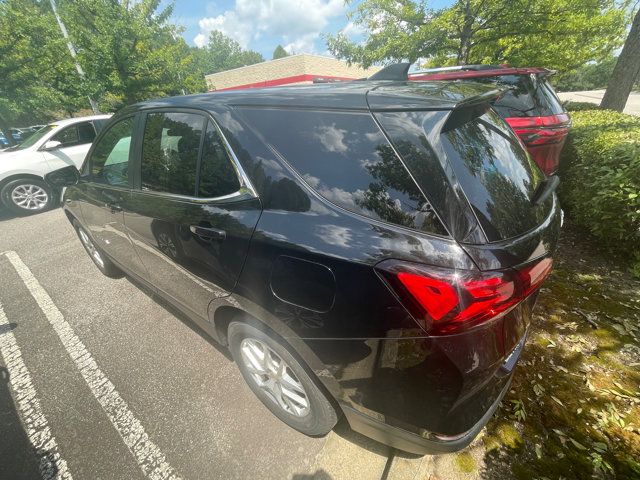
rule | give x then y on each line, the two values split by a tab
293	262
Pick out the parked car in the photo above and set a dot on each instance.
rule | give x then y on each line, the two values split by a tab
369	249
531	106
23	167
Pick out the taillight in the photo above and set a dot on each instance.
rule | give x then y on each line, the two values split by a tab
447	301
540	130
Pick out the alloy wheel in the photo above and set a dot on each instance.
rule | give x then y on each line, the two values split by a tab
91	249
167	245
273	375
30	197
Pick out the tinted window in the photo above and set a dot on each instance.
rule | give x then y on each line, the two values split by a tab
530	96
86	133
497	175
110	157
170	149
67	137
217	175
345	157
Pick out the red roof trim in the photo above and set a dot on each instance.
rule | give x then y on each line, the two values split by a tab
477	73
282	81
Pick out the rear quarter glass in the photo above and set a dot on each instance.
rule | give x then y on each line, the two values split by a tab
346	159
530	96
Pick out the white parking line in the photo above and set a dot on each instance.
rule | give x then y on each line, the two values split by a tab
149	457
51	464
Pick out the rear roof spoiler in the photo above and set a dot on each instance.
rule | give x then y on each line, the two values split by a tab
471	108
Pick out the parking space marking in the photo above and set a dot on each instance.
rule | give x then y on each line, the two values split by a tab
148	456
50	462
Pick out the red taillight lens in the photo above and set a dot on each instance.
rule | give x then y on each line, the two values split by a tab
540	130
447	301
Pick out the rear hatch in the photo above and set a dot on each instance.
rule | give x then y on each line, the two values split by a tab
465	159
529	105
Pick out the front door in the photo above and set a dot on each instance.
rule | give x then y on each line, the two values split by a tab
191	215
108	189
75	141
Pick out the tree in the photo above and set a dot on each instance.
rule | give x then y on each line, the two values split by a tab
38	77
130	51
626	71
551	33
223	53
279	52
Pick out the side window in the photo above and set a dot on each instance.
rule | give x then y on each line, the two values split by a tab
109	161
170	149
86	133
68	137
217	175
345	158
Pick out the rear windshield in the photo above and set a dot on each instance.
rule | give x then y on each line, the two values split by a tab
530	96
346	158
497	176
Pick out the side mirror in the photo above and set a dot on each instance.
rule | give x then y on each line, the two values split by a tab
63	177
51	145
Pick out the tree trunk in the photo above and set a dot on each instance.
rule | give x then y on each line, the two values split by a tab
626	70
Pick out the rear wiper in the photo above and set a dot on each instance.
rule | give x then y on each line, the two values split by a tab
545	189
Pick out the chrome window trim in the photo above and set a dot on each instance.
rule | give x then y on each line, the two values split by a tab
246	187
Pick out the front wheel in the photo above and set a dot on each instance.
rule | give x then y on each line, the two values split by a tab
26	196
279	381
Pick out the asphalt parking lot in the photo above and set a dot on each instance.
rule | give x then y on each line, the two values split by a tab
98	380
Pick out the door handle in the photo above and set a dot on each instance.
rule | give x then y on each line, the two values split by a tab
208	232
114	207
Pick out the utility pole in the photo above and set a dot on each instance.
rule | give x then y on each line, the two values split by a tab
72	51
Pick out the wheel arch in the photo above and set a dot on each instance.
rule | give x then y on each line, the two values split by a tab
230	309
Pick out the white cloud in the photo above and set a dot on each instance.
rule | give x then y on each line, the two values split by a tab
332	138
297	22
351	30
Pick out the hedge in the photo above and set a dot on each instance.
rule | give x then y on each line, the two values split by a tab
600	171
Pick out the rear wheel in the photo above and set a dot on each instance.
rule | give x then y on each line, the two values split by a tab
26	196
106	266
279	381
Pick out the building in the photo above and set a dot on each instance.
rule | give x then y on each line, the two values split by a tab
292	70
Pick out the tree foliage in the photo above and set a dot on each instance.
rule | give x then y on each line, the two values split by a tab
130	51
279	52
223	53
36	72
561	34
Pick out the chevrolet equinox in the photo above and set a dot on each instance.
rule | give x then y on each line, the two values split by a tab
369	249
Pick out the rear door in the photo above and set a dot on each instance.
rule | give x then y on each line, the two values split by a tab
192	213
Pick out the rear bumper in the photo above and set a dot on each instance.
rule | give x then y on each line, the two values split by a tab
410	442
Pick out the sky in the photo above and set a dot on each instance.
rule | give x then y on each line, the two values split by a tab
261	25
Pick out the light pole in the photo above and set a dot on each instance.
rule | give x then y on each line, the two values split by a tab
72	51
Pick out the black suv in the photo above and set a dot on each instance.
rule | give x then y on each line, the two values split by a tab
370	249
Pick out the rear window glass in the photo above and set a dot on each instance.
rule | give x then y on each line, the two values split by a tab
497	176
530	96
345	157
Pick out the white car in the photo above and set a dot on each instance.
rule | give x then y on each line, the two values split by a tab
23	167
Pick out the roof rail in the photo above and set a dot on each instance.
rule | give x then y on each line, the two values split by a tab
396	71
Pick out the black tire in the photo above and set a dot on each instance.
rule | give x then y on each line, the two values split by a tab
15	195
97	256
320	416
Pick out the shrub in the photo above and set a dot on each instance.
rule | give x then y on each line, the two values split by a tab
579	106
600	170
